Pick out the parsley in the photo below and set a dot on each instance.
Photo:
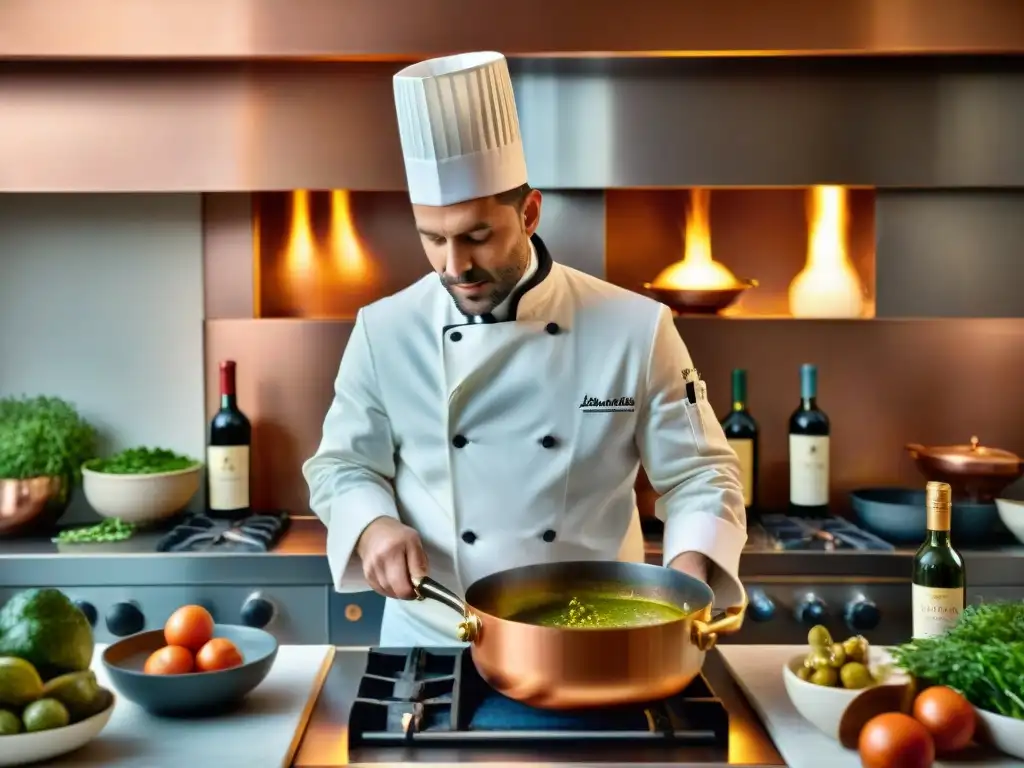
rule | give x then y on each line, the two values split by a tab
982	657
43	437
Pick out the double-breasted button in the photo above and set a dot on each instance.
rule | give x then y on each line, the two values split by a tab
548	536
552	328
548	441
468	536
456	336
459	441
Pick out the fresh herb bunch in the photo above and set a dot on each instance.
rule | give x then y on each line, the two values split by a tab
142	461
43	437
982	656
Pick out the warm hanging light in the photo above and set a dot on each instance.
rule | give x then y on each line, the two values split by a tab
828	285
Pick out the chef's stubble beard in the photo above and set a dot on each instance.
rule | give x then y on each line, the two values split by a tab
504	279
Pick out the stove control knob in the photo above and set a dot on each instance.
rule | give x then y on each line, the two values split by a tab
125	619
862	615
760	607
811	611
257	611
88	610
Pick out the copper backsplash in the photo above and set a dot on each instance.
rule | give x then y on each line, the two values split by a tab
882	382
397	29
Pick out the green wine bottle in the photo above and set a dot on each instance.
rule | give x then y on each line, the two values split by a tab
741	431
939	584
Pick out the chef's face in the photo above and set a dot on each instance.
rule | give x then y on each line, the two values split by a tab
481	248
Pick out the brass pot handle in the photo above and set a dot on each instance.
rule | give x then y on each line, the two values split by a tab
426	588
915	450
705	633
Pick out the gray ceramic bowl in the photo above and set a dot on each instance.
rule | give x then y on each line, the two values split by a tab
199	693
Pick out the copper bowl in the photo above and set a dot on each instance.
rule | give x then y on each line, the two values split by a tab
28	506
973	471
698	301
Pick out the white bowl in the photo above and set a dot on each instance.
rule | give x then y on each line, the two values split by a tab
1012	514
1004	733
25	748
140	498
823	706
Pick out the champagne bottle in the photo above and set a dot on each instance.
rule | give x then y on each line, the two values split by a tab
939	593
808	450
227	456
742	433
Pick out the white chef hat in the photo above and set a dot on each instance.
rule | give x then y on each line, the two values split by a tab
459	128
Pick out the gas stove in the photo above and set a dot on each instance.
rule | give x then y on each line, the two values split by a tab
429	699
824	534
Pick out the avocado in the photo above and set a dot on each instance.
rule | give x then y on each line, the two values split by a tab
43	627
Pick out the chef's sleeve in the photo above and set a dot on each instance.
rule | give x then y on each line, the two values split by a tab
350	475
691	465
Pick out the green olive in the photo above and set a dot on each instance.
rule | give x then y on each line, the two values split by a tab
819	637
826	676
838	655
856	649
820	659
803	673
855	676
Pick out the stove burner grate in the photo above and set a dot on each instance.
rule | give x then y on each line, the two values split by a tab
437	697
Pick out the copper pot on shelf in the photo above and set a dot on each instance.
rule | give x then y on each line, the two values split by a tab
30	505
698	301
974	471
576	668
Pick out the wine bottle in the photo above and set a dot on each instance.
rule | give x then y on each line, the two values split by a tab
741	432
808	450
939	581
227	456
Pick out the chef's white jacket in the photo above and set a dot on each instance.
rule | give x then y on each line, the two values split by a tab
510	443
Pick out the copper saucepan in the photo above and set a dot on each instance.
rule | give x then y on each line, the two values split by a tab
973	470
575	668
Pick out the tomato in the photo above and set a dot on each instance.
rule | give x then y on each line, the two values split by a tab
169	660
895	740
219	653
191	626
947	715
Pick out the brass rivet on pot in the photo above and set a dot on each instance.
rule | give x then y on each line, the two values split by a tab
353	612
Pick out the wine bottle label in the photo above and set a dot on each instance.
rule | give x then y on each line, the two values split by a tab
744	448
808	470
227	467
935	610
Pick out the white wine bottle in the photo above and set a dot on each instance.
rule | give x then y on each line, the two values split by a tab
939	583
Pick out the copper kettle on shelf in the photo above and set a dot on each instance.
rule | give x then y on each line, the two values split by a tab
974	471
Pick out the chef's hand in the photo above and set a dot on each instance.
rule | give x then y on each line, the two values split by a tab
392	555
692	564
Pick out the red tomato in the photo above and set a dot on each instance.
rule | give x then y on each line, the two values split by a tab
191	626
948	716
895	740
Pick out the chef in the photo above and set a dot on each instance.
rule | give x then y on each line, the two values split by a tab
495	413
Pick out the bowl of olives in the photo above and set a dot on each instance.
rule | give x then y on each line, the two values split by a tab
822	681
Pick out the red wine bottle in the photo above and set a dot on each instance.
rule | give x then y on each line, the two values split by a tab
227	456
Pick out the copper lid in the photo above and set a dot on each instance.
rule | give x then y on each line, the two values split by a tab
967	454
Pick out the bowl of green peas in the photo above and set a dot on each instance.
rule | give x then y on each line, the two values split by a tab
139	486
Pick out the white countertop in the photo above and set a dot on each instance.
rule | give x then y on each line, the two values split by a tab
262	732
758	671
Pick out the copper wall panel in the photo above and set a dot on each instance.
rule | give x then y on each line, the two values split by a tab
756	233
228	256
286	371
882	382
404	28
587	124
